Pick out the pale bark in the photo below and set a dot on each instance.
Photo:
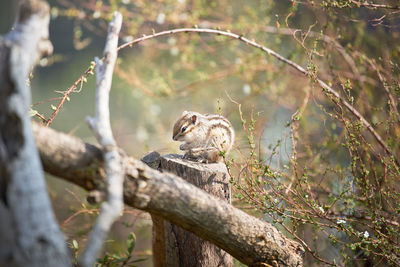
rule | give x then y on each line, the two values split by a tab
247	238
30	235
101	126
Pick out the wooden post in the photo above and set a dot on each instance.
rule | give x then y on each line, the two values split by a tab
173	246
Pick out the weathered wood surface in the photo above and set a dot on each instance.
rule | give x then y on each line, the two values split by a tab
178	246
248	239
29	233
112	208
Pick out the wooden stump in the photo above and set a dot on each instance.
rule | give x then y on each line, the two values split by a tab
173	246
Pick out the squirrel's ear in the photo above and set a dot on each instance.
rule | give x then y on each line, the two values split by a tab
194	119
185	112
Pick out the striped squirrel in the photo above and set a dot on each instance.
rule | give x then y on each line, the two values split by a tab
206	136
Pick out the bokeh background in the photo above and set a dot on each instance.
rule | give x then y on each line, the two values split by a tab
156	80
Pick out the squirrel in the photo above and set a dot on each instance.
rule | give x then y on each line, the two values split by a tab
208	138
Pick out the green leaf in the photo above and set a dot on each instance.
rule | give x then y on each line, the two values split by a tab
53	107
102	260
117	257
131	242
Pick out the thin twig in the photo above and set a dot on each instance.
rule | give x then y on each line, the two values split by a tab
325	38
69	91
313	253
392	102
101	126
86	210
295	136
372	5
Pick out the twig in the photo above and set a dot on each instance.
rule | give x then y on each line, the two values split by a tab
69	91
372	5
313	253
325	38
101	126
295	136
392	102
40	116
66	221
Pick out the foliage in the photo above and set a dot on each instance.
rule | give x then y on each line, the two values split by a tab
302	159
121	259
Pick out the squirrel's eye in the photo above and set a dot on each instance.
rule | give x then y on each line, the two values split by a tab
183	129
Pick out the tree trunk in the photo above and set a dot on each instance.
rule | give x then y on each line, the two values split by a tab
29	233
178	246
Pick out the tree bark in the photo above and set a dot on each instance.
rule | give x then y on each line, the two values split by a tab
112	208
30	235
183	248
248	239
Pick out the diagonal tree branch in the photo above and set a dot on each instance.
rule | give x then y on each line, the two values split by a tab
247	238
101	126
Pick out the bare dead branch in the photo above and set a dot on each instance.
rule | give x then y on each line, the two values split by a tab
101	126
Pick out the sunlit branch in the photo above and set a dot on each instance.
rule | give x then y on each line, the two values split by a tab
101	126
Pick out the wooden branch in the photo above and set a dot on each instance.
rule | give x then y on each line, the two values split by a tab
247	238
33	237
101	126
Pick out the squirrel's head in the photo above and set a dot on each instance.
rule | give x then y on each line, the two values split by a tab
184	128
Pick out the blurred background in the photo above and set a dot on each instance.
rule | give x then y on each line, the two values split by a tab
157	79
